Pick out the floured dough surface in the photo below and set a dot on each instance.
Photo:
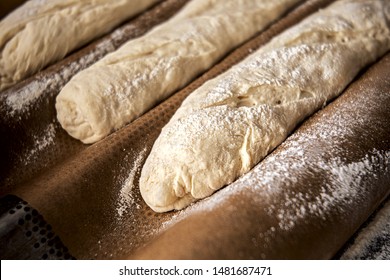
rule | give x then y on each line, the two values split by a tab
128	82
230	123
41	32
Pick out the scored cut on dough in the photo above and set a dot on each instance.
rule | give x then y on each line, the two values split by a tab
126	83
229	124
39	33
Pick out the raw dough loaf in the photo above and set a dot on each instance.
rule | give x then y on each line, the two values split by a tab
42	32
128	82
230	123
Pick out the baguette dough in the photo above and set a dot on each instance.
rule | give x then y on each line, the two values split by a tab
42	32
128	82
230	123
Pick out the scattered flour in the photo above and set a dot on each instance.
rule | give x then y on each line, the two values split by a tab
41	142
18	102
342	187
126	195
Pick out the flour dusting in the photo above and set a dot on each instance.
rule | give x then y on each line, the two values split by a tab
342	187
41	142
126	195
18	102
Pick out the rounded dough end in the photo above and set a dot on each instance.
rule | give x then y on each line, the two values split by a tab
75	118
162	197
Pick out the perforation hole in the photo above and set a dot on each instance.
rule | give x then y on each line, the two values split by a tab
37	234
